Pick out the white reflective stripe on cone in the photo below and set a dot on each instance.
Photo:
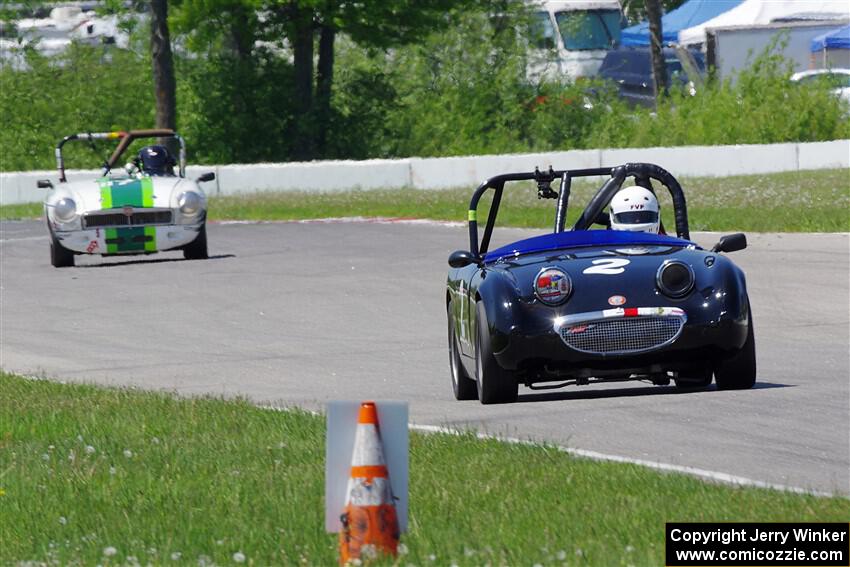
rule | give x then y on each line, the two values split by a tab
374	492
367	447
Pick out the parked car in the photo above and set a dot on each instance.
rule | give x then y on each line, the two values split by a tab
837	79
144	207
631	70
585	305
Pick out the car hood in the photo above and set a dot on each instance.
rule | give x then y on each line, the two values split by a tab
621	272
119	192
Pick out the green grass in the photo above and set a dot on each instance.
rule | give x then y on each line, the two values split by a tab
85	468
813	201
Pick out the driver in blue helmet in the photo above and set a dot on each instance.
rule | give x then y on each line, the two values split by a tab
156	160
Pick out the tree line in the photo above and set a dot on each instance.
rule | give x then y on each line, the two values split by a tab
370	79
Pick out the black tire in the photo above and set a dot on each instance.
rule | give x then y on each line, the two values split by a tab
197	249
463	386
738	372
60	257
694	380
495	384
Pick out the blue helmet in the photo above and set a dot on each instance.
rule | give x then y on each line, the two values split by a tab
156	160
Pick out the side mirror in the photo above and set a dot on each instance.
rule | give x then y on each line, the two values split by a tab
208	176
44	184
731	243
462	258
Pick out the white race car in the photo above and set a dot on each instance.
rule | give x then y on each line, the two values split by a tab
142	208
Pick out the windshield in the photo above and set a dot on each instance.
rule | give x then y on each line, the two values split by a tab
589	29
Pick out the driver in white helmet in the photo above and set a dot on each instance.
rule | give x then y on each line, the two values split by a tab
635	209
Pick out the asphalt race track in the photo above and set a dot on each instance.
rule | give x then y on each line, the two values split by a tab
290	313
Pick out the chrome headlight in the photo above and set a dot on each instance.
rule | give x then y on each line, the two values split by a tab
189	202
675	278
65	210
552	286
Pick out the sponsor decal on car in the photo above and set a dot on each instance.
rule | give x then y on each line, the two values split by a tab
616	300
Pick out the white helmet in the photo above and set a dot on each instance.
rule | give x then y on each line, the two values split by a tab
635	209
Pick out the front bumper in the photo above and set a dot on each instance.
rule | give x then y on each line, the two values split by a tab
128	240
546	354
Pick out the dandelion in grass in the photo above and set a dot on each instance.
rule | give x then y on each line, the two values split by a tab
402	549
561	555
432	557
90	450
109	551
128	453
155	440
112	470
579	552
72	456
80	438
369	551
629	549
176	555
239	557
45	457
63	520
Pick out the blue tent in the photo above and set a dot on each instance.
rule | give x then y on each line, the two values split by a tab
691	13
834	39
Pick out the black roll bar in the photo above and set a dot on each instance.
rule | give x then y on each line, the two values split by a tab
642	172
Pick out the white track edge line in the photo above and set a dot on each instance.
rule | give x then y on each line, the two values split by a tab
719	477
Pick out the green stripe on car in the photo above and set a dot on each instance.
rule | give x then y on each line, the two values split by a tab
131	239
126	193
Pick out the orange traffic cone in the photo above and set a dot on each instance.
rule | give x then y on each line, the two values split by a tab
369	522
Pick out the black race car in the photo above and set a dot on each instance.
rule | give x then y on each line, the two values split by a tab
595	305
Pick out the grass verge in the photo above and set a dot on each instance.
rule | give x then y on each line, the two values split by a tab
114	476
812	201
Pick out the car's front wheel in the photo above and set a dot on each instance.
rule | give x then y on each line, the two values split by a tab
495	384
463	386
197	249
60	257
738	372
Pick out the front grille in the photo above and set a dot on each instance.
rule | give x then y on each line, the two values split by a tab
138	218
622	335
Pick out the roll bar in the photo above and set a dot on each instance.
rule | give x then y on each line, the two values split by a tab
642	172
126	138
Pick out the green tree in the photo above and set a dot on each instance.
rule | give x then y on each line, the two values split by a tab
304	23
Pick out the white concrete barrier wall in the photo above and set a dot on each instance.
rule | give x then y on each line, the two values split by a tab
438	173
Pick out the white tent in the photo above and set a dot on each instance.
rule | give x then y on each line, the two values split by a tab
761	12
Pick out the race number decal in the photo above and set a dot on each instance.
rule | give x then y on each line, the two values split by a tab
608	266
